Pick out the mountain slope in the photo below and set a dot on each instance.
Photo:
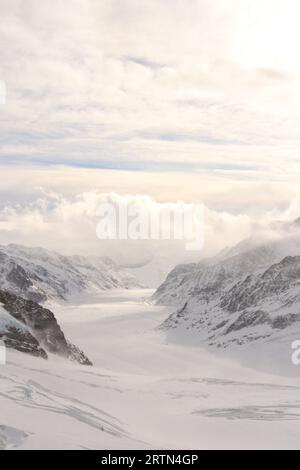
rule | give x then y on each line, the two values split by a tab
17	336
215	275
271	299
256	321
40	275
244	301
30	328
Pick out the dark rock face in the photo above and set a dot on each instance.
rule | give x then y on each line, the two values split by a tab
43	332
276	280
284	321
23	341
18	275
249	319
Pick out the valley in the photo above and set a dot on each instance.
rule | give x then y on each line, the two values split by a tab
143	390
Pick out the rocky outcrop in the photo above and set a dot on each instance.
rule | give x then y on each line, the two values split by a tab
276	280
34	329
21	340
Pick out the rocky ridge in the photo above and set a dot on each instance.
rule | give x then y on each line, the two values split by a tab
28	327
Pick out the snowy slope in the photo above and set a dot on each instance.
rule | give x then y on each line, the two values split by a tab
245	301
256	320
215	275
142	392
29	328
41	275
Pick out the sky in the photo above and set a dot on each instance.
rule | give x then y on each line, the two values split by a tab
197	100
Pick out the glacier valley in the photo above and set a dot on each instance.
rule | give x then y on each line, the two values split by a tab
142	391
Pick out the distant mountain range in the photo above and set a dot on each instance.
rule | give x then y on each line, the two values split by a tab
40	275
247	295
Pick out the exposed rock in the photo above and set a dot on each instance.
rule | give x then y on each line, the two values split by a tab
284	321
225	304
22	340
247	319
213	277
42	331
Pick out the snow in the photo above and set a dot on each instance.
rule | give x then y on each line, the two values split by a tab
153	272
243	303
10	438
44	274
143	392
251	256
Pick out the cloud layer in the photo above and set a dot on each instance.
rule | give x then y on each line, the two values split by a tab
194	100
160	84
68	224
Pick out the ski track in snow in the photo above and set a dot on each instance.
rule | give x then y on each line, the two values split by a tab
142	392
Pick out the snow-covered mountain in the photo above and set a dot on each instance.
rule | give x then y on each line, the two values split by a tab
17	336
40	275
29	328
213	276
247	295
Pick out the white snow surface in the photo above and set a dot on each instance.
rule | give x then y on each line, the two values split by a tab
32	270
142	392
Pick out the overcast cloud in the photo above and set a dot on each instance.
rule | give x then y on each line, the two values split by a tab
197	100
161	83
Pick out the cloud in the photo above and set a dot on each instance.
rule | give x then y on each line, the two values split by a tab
160	100
232	188
68	224
88	82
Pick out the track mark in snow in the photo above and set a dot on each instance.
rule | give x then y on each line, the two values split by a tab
10	438
256	413
224	382
33	395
